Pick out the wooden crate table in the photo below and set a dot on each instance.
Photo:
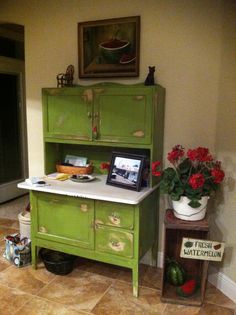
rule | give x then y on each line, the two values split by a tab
174	230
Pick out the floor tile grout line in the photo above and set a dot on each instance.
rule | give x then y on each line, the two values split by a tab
103	294
57	302
45	286
17	289
140	286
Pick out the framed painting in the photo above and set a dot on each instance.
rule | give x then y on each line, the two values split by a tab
109	48
126	170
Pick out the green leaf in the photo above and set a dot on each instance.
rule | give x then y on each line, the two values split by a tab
185	166
175	196
194	203
177	193
169	174
164	188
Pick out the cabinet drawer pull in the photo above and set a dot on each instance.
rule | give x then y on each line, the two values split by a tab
84	207
114	218
42	229
116	245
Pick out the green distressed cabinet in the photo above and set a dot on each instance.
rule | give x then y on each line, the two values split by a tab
101	114
95	220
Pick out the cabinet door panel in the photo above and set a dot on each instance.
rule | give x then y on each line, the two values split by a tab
124	115
65	219
68	115
114	242
114	214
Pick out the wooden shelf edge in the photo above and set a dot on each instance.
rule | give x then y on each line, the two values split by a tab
171	222
182	301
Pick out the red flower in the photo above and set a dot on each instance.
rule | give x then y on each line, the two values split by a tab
176	153
155	166
200	154
105	166
218	175
196	181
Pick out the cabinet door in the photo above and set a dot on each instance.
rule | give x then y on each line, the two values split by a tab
123	115
65	219
68	113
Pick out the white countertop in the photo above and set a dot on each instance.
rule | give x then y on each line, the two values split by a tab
96	189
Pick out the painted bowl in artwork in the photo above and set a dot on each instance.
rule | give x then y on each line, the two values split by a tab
113	49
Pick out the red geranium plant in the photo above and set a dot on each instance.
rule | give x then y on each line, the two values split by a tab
194	174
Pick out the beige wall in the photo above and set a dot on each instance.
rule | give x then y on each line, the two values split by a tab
182	38
224	220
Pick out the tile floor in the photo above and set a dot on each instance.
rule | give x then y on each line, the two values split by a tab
91	288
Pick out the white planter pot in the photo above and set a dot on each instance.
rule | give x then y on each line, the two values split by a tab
184	212
25	222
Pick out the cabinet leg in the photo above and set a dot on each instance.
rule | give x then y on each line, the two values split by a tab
135	272
34	254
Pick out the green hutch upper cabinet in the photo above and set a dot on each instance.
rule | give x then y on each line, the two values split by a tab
112	113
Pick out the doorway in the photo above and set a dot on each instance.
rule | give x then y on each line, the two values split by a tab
13	141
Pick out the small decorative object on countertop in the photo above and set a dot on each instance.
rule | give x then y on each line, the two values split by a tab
66	79
150	77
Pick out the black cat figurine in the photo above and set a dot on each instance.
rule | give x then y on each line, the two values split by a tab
150	77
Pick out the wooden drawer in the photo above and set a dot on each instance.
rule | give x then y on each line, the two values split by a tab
114	241
114	214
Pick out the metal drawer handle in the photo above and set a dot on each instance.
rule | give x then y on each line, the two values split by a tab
114	218
42	229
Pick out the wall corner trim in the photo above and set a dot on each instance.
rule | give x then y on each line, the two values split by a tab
222	282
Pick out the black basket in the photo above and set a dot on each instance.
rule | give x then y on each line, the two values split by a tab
57	262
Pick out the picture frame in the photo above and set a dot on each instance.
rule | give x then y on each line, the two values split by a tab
109	48
126	170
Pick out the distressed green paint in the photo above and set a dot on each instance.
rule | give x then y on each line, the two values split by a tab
52	211
114	241
121	114
128	118
125	104
115	214
66	110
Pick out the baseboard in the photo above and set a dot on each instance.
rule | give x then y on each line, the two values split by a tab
217	278
223	283
147	259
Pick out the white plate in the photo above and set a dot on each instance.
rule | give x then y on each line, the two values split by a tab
82	178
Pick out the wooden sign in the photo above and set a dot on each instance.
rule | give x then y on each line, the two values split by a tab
201	249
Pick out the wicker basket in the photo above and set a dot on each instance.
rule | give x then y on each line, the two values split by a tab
57	262
74	170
